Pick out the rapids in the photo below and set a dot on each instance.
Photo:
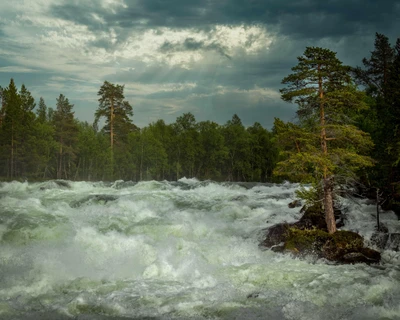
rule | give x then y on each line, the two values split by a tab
176	250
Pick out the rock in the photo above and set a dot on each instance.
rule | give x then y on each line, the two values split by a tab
94	198
275	235
341	247
294	204
342	243
313	217
394	242
55	184
380	237
253	295
357	257
365	255
302	238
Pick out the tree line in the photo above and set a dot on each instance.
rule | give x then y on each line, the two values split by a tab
347	127
40	142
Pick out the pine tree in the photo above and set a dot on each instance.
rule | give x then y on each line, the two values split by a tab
330	147
115	109
117	112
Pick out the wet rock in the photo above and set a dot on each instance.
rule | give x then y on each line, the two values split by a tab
380	237
241	197
95	198
342	246
294	204
394	242
253	295
56	184
309	236
275	235
313	217
362	257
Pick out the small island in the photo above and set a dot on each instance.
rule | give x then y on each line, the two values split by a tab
310	237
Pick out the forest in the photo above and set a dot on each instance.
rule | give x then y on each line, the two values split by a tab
359	126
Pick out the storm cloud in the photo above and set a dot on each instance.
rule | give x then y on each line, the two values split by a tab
210	57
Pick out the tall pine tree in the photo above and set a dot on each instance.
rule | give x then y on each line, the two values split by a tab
323	89
117	112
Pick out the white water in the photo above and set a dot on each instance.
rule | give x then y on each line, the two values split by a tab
186	250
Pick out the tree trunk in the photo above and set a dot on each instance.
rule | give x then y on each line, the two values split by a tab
112	136
59	171
12	151
112	123
327	183
328	206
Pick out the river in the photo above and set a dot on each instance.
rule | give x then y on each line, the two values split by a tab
176	250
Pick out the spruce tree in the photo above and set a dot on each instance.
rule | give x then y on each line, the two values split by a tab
42	111
11	128
380	76
66	131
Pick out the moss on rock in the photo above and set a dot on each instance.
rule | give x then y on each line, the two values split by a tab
342	246
305	241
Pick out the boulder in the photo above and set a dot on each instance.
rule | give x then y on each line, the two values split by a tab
275	235
342	246
394	242
309	236
294	204
380	236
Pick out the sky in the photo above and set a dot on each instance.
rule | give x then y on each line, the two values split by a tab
213	58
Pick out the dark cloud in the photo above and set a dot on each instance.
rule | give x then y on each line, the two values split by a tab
190	44
307	18
226	80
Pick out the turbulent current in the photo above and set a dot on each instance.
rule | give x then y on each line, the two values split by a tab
176	250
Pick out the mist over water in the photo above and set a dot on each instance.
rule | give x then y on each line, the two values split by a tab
176	250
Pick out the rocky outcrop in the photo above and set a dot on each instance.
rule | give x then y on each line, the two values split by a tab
380	237
294	204
309	236
394	242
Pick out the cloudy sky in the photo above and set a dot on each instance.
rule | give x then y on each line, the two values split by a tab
212	58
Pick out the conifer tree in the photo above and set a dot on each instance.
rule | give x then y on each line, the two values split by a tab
66	134
42	111
11	127
380	76
117	112
330	147
115	109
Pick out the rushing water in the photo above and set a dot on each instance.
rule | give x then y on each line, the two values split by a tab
183	250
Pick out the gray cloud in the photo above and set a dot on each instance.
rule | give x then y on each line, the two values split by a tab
308	19
190	44
175	56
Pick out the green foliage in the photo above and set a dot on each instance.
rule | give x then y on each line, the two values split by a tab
325	148
327	144
381	77
310	194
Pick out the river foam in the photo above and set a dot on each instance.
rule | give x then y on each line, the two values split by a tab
175	250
